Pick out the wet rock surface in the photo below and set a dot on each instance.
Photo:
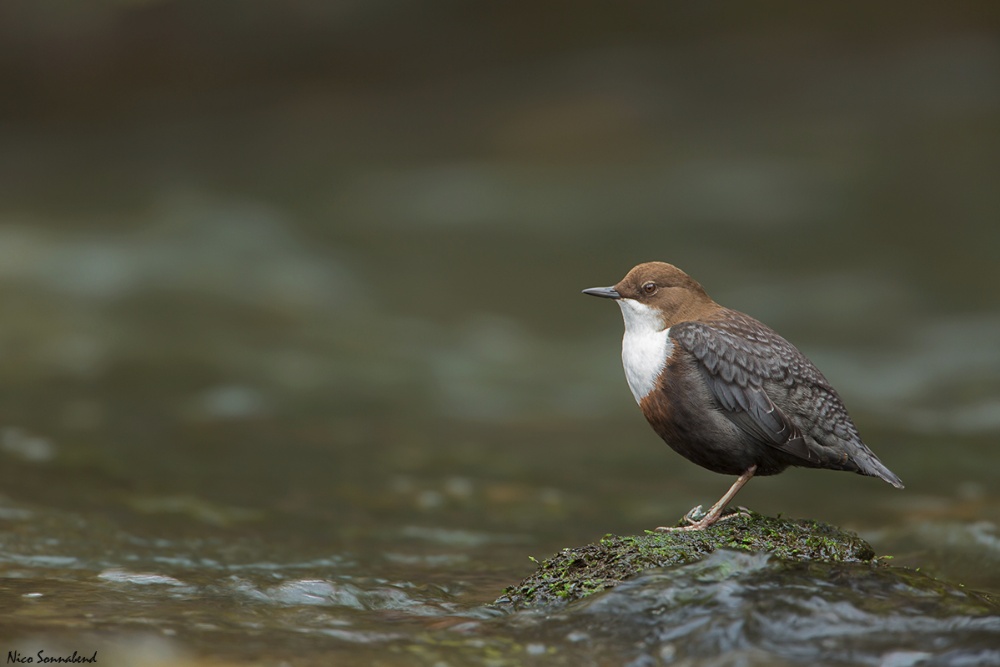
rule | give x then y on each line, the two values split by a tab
739	608
755	589
577	573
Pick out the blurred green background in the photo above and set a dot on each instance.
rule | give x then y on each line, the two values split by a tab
304	276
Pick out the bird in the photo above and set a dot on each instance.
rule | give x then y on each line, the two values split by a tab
726	391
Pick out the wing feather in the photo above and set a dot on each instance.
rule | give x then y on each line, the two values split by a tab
735	374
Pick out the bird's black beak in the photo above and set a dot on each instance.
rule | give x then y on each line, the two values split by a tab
606	292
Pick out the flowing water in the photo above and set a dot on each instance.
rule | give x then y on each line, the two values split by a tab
296	370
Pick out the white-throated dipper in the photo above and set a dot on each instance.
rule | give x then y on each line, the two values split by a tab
726	391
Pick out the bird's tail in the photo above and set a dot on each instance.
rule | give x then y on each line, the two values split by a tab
868	464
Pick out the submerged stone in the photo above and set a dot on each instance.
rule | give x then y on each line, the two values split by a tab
579	572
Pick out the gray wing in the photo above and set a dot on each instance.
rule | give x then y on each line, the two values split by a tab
737	359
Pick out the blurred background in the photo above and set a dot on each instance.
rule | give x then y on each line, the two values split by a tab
290	291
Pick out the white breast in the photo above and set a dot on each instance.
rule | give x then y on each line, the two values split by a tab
646	346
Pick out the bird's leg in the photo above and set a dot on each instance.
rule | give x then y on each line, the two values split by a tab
716	510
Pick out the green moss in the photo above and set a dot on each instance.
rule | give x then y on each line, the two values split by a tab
576	573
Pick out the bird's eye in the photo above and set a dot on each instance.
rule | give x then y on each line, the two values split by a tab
649	287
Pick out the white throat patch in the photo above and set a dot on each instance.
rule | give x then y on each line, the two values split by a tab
646	347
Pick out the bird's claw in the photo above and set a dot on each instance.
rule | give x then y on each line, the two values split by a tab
695	514
695	519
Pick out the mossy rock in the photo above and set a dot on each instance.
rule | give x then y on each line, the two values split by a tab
576	573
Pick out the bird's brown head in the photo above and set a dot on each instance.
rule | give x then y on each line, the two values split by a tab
675	295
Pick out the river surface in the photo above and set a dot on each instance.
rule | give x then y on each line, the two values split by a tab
296	371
